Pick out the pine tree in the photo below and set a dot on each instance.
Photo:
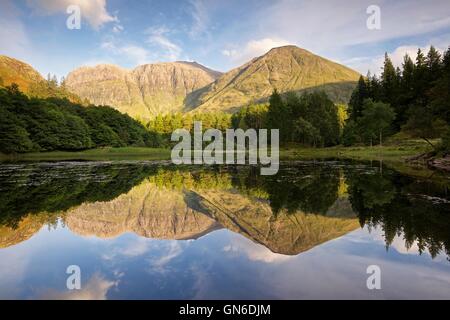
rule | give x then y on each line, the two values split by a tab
389	81
407	80
277	114
420	81
433	64
360	94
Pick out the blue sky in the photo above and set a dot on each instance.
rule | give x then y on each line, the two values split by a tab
221	34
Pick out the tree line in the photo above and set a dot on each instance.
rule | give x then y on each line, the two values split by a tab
414	98
310	118
37	124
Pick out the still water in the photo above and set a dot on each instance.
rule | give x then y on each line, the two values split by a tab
150	230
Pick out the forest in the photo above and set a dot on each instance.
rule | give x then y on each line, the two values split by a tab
414	99
38	124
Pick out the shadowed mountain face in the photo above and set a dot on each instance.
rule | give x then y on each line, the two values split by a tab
287	69
143	92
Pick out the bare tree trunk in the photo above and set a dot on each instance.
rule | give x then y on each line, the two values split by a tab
381	138
428	141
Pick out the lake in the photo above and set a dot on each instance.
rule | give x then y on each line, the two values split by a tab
152	230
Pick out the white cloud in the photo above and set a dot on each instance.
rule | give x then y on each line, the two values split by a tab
136	55
321	26
255	252
158	38
253	49
96	288
94	11
375	64
174	250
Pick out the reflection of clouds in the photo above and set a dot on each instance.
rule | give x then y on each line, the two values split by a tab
337	269
254	252
174	250
398	244
136	248
12	266
96	288
133	248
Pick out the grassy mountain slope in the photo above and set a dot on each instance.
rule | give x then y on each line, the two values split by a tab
286	69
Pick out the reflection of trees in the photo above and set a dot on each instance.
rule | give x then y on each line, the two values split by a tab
396	203
57	188
403	206
311	189
50	189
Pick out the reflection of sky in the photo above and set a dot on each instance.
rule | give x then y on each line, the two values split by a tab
220	265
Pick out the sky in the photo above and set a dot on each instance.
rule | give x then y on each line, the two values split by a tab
220	34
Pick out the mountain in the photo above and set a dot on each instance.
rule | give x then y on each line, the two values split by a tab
146	210
157	88
15	71
288	233
286	69
144	91
30	81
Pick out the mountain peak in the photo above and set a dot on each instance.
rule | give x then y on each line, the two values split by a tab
287	69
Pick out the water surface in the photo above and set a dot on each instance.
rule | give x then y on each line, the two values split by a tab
150	230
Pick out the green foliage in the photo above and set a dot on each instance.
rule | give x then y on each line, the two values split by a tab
252	116
360	94
423	124
166	124
57	124
311	119
377	117
419	94
387	201
351	136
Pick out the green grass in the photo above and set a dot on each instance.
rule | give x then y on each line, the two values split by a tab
394	151
126	153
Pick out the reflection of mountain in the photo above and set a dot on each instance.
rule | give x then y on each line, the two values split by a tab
163	213
286	233
301	207
146	210
25	229
172	204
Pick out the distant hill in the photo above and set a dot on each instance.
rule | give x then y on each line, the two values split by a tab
15	71
286	69
143	92
30	81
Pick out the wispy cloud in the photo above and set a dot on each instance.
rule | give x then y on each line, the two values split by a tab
135	55
330	23
200	18
13	36
158	37
252	49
